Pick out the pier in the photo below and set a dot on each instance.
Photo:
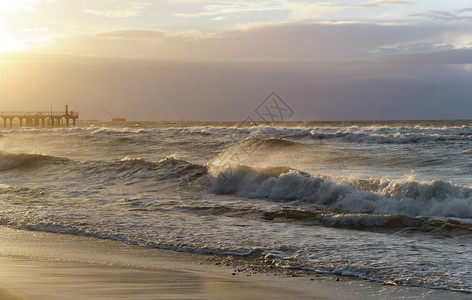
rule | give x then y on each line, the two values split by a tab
43	119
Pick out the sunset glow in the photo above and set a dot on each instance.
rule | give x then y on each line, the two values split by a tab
408	41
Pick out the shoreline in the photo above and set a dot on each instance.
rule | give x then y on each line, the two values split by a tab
41	265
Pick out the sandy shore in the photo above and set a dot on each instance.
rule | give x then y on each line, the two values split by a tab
38	265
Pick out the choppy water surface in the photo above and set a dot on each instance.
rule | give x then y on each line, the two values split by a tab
377	200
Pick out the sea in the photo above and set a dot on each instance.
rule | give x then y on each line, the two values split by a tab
377	200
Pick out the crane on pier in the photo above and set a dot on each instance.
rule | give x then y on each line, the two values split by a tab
113	118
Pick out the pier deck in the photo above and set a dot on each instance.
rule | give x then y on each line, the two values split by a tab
36	119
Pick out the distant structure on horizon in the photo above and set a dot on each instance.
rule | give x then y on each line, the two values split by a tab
118	120
113	118
43	119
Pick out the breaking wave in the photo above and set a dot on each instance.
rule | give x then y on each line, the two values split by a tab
386	197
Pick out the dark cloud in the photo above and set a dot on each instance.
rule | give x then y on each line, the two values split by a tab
444	15
153	89
445	57
465	10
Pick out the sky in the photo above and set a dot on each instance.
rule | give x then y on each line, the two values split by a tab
219	60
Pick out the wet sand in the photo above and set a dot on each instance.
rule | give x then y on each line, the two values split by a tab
38	265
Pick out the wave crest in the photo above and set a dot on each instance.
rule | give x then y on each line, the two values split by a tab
407	198
9	161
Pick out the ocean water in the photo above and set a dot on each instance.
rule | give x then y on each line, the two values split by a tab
376	200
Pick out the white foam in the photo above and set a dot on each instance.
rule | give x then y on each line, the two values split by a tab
409	198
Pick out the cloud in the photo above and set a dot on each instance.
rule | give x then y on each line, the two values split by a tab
441	15
469	9
133	34
220	8
383	3
315	10
117	13
298	10
23	5
291	42
441	57
311	11
130	9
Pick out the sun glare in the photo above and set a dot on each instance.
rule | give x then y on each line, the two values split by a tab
17	5
11	38
11	45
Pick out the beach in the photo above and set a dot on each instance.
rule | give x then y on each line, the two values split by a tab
39	265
